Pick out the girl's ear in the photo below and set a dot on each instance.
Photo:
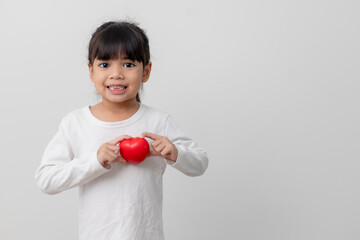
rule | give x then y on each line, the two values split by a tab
146	72
91	73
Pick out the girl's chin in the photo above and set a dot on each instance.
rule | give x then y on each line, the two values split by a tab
119	98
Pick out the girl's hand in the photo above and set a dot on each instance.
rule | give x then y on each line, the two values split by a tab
161	146
108	153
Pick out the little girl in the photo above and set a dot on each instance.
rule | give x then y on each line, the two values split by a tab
118	200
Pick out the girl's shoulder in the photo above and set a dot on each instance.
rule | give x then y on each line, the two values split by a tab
155	112
76	114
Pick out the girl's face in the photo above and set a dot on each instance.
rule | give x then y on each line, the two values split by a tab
118	80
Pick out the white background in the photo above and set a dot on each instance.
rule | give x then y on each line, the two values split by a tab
269	88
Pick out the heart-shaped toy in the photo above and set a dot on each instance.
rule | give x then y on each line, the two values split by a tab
134	150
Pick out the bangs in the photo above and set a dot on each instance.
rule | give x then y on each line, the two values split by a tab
116	42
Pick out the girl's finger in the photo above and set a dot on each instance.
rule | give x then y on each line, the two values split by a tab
160	147
113	147
112	154
118	139
166	150
120	159
123	161
156	143
150	135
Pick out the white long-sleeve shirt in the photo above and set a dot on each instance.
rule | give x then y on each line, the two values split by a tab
125	201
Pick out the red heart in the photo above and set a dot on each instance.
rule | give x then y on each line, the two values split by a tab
134	150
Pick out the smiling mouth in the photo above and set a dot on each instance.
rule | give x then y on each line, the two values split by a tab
112	87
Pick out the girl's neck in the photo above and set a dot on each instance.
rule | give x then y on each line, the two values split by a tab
119	108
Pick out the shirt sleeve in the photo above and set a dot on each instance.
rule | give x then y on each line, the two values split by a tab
59	170
192	160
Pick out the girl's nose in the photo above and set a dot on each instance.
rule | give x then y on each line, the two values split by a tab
117	73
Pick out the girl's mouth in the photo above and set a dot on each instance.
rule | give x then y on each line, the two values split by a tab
117	89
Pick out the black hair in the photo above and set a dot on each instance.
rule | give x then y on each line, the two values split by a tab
120	39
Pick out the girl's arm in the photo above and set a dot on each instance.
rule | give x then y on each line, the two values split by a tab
59	170
179	151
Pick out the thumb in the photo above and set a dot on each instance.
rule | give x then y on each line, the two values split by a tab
121	159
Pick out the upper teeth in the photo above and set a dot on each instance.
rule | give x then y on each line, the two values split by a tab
117	87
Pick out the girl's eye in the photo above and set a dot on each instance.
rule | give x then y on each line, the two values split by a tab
104	65
128	65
